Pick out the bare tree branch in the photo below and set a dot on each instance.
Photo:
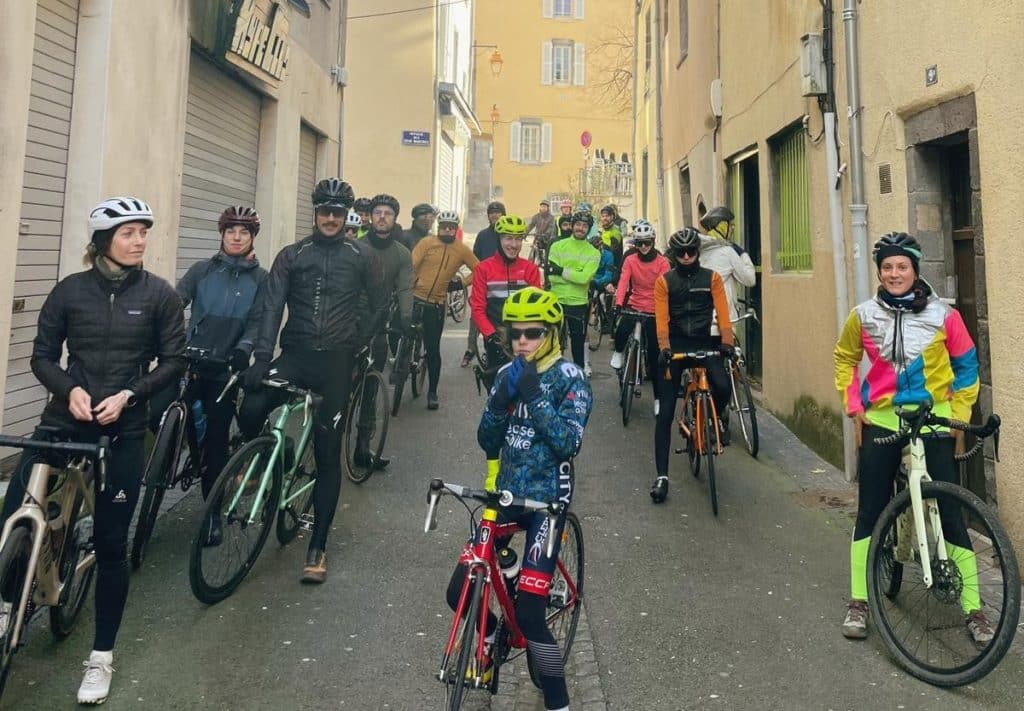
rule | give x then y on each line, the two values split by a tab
612	68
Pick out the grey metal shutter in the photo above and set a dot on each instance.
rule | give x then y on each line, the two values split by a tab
222	135
446	175
307	181
42	202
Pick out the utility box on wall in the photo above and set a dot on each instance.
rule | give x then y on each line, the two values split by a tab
813	81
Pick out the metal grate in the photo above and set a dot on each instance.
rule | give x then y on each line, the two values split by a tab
793	249
885	179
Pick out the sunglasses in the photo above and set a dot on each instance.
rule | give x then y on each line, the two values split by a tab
532	333
643	242
332	211
689	251
349	228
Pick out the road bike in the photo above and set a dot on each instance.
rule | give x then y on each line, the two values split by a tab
487	589
366	420
410	364
634	363
166	469
698	422
600	322
47	559
742	401
922	587
456	304
248	494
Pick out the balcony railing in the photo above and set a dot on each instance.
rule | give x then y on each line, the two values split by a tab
607	180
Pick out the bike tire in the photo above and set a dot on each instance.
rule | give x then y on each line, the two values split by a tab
356	473
595	330
628	388
145	523
470	622
289	516
157	478
710	445
690	418
400	371
76	582
255	453
745	410
1002	590
14	567
419	375
457	305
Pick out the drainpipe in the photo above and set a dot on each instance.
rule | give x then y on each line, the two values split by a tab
636	103
835	201
658	132
858	208
342	48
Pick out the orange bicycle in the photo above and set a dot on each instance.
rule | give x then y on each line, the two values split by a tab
698	421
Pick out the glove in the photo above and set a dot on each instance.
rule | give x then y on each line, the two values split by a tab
554	269
506	388
454	285
494	342
529	382
727	349
738	249
238	360
255	374
513	375
664	358
616	312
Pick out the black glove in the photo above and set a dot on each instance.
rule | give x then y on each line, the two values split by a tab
238	360
738	249
454	285
255	374
664	358
616	312
494	341
727	349
554	269
529	382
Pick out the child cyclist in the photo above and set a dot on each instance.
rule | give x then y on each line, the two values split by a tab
531	429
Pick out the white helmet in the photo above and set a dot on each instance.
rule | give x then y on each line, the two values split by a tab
118	211
643	230
353	219
640	221
448	217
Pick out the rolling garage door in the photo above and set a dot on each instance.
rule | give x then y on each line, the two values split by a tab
42	202
222	134
446	175
307	181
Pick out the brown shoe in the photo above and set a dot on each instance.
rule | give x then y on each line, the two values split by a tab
316	567
467	358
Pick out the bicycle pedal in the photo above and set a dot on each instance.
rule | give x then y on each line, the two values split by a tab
679	450
306	521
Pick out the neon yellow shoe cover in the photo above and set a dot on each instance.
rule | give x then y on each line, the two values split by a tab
859	569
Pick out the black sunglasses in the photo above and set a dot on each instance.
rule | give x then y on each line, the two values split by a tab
689	251
532	333
332	211
643	242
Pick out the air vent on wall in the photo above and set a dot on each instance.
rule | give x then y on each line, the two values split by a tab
885	179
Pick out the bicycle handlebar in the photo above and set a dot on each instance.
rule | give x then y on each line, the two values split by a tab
493	499
914	420
699	355
99	451
634	314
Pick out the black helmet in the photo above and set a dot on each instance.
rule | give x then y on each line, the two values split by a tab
716	215
384	199
686	238
423	208
583	217
898	244
497	207
362	205
332	192
609	210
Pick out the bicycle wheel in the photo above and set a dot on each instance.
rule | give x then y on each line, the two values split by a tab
290	516
75	580
400	373
595	323
566	597
710	446
215	571
419	376
923	627
158	477
743	406
367	411
458	666
690	418
629	371
457	305
14	567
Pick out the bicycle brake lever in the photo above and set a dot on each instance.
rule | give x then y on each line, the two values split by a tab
306	407
431	522
231	383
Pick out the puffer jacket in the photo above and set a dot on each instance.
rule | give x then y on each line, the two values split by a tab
537	440
321	280
494	280
113	331
735	267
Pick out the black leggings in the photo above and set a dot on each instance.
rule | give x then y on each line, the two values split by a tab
329	374
576	329
431	317
114	508
622	333
668	388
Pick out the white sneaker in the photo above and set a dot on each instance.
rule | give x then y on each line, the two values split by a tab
96	684
587	371
616	360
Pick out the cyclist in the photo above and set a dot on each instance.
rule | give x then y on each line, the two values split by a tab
564	228
686	299
572	264
729	259
323	280
611	235
542	225
919	351
422	223
531	429
436	262
497	278
486	245
640	271
362	208
114	318
565	208
226	314
353	225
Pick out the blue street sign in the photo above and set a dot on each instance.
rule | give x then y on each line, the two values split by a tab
415	138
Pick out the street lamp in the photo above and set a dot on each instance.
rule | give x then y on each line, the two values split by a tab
495	116
497	62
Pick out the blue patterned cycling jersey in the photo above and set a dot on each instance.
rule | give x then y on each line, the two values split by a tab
538	439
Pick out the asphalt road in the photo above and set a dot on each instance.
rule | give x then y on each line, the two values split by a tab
685	611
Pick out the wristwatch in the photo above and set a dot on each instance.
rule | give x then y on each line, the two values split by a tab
130	397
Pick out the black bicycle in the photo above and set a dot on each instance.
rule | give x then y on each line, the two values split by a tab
600	318
411	365
634	364
366	420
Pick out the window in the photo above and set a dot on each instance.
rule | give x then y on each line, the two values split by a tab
568	9
684	29
563	62
563	8
530	141
792	229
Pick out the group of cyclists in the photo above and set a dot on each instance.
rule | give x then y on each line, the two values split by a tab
359	278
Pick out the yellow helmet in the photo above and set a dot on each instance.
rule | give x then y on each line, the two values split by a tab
532	304
510	225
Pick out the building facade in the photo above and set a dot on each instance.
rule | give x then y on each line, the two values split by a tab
410	122
929	157
560	78
230	103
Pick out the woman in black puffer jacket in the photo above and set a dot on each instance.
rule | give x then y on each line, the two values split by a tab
115	319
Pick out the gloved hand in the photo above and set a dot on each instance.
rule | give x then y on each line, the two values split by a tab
616	312
738	249
252	378
727	349
513	375
664	358
506	388
494	341
454	285
529	381
554	269
238	360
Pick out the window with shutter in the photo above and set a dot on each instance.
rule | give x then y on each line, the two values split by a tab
545	63
580	62
561	61
563	8
545	143
579	9
547	6
531	142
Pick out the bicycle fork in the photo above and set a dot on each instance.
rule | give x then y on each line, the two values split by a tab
923	510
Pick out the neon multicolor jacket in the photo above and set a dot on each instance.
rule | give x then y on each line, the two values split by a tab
913	357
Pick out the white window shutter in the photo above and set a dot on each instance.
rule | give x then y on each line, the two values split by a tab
579	72
549	8
545	63
545	143
515	148
579	9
